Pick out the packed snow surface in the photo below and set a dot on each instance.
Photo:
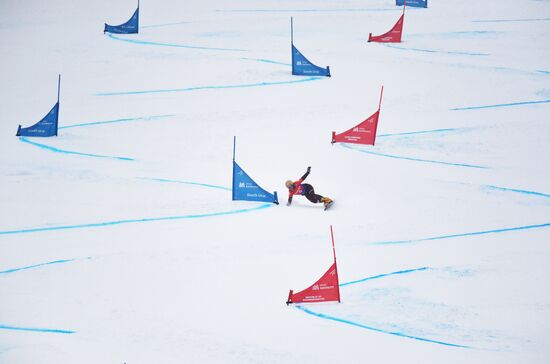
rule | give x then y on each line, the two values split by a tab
119	241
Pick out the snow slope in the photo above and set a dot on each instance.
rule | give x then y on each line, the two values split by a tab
119	242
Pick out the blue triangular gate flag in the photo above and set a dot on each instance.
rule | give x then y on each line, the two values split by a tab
244	188
413	3
303	67
130	27
44	128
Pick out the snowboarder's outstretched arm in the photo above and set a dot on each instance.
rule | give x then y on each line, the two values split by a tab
305	175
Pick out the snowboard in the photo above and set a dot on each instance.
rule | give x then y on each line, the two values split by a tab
329	205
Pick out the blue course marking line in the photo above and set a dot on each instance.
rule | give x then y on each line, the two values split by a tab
456	34
144	42
508	20
495	231
489	187
187	183
494	68
435	51
164	25
412	159
34	329
57	150
396	333
357	324
36	266
94	123
245	85
349	10
383	275
131	221
267	61
435	131
545	72
500	105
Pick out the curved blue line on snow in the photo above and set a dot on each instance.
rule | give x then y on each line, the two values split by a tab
245	85
57	150
34	329
116	121
545	72
494	68
435	51
396	333
36	266
489	187
412	159
267	61
348	10
144	42
496	231
131	221
384	275
187	183
500	105
508	20
163	25
467	33
435	131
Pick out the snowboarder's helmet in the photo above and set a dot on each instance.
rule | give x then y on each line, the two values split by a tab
288	184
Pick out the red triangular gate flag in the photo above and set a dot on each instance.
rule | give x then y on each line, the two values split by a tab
393	36
363	133
324	290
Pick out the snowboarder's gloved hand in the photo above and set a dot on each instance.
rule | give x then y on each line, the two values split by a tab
308	169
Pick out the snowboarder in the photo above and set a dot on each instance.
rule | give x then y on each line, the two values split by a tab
304	189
